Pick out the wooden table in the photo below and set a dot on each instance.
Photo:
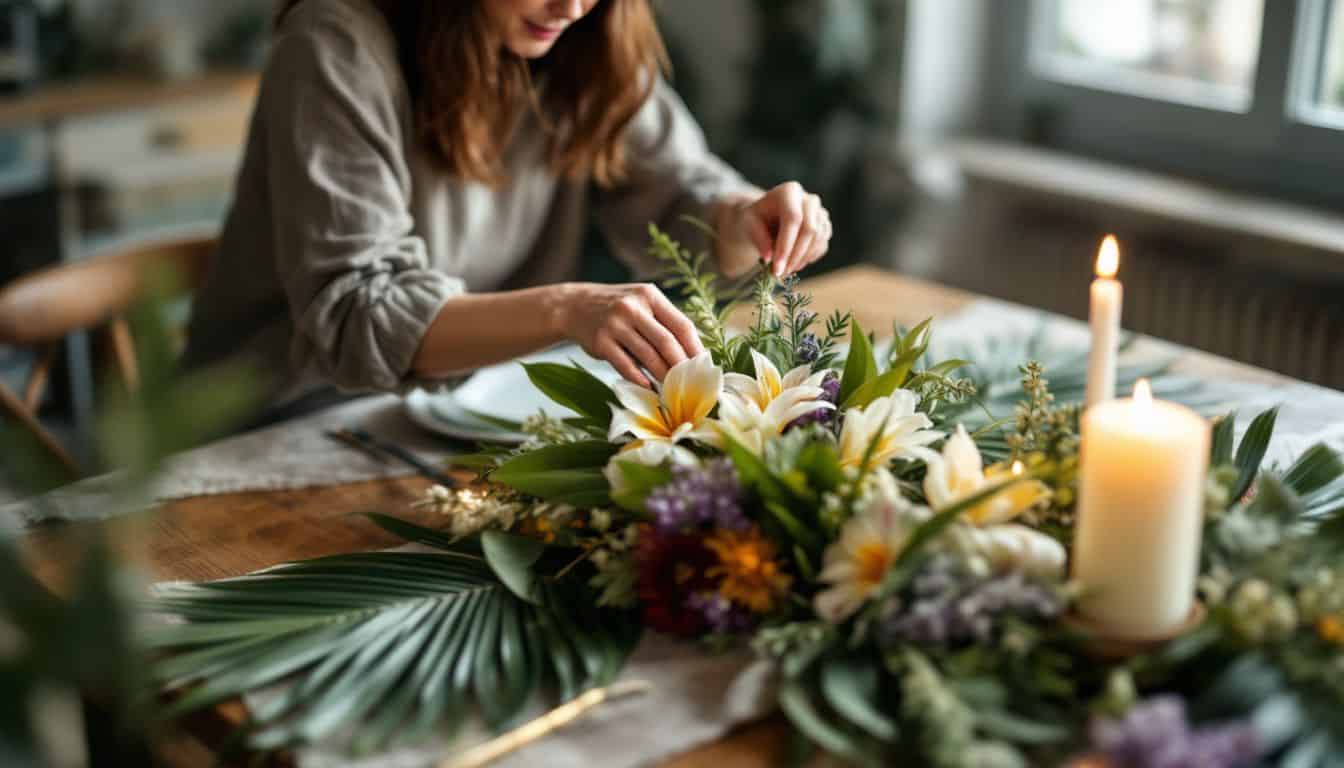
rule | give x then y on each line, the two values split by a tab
219	536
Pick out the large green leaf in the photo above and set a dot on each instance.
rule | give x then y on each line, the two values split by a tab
385	644
1224	438
1251	451
569	473
860	365
511	557
575	388
639	482
851	688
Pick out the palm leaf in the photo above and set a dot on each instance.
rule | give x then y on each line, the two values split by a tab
998	380
386	644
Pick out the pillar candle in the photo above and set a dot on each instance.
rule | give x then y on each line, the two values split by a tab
1104	316
1140	514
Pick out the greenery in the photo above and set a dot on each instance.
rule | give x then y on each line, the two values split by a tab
71	661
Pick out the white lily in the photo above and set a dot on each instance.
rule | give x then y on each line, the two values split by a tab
959	472
891	425
752	411
769	386
650	453
678	411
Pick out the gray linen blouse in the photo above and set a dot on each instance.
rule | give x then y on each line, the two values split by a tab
344	240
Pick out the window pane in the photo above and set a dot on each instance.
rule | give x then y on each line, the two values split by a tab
1332	84
1203	51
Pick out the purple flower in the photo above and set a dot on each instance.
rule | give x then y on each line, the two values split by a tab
720	614
948	606
830	393
1156	734
697	497
809	348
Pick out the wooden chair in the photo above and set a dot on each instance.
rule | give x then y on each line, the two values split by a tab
39	310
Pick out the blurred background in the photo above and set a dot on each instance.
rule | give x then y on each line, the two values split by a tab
986	144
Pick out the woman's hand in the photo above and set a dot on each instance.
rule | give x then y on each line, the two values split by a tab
630	326
787	227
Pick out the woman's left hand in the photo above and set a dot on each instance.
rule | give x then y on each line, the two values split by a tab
788	226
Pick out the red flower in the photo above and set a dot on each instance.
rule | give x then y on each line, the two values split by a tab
672	567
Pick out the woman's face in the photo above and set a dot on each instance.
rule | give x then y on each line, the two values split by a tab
531	27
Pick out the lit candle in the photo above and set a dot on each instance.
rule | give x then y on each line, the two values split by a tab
1140	513
1108	296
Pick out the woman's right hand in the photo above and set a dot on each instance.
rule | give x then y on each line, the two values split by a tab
630	326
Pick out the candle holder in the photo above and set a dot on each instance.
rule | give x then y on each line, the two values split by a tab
1103	642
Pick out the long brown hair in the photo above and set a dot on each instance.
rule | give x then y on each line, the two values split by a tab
469	91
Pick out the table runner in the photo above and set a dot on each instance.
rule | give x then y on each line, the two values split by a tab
297	454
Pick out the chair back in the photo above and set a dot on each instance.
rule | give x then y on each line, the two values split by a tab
39	310
47	305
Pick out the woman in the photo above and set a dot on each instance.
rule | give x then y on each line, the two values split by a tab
415	186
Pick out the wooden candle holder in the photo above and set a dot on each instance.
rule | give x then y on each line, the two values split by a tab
1104	643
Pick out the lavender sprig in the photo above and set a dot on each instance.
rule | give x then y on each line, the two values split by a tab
697	496
1157	734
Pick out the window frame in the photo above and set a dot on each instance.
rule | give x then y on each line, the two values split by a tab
1280	145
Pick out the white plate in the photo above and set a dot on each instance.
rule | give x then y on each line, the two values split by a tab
500	391
435	411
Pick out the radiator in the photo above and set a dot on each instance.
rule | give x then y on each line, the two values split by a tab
1204	290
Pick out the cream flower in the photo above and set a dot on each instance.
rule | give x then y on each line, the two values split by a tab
678	411
899	431
769	386
751	411
959	472
650	453
856	564
1013	547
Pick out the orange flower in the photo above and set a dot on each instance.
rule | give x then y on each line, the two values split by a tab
750	574
1331	629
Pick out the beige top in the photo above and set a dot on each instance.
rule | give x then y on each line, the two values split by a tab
344	240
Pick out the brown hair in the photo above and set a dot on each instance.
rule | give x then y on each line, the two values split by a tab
469	91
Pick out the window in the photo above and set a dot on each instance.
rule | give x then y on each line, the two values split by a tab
1330	93
1245	94
1198	51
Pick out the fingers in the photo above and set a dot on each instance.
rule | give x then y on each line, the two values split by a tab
760	237
671	318
613	353
790	224
821	242
647	330
642	352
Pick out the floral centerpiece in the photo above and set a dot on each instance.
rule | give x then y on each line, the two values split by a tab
851	515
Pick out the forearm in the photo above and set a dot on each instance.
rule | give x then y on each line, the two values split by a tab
479	329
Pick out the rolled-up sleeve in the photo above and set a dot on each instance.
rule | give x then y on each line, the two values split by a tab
357	280
672	174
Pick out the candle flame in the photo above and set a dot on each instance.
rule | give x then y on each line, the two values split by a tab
1108	258
1017	469
1143	395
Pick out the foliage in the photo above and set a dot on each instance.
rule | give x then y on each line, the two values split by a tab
840	517
77	648
392	644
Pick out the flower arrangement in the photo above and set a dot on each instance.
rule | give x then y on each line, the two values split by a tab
838	514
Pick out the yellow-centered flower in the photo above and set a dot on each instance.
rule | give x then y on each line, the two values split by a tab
752	411
959	472
858	562
678	411
891	425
